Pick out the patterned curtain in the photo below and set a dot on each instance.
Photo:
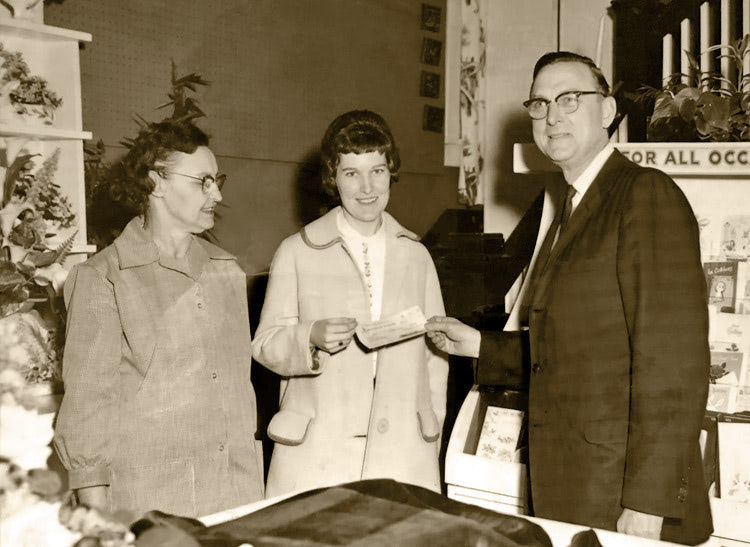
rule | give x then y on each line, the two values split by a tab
471	175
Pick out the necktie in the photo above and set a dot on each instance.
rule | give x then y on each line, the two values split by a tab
567	207
558	224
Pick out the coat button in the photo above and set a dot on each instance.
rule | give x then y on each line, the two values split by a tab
221	447
681	498
536	368
382	425
214	375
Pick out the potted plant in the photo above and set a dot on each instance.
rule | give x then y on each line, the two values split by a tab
709	107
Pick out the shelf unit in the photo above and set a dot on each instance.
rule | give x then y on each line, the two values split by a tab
53	54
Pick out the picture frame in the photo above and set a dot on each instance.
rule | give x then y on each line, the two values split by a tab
431	51
429	85
432	119
431	16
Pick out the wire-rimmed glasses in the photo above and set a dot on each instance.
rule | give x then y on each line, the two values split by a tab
206	180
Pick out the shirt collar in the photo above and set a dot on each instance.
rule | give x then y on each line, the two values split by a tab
324	232
136	248
584	180
348	231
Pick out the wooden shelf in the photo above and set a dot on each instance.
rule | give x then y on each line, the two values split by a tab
40	31
42	133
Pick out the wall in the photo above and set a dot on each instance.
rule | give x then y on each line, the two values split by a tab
517	35
280	72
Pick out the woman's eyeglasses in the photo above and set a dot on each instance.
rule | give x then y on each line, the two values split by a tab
206	180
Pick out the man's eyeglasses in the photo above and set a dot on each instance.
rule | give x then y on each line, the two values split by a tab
567	102
206	180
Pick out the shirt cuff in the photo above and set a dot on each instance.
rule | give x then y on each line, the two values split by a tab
84	477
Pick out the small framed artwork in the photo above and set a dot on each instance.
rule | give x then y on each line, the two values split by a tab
431	51
429	85
430	18
433	119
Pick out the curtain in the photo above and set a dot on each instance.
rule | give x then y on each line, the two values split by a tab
472	109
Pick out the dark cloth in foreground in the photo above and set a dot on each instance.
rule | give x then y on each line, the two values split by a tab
365	513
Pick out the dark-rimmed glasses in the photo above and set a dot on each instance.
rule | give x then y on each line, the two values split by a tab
206	180
567	102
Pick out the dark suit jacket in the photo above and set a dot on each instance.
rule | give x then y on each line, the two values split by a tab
616	359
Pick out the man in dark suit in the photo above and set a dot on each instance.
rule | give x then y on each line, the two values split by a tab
615	355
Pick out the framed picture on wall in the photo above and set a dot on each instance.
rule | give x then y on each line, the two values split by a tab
433	118
429	85
430	18
431	51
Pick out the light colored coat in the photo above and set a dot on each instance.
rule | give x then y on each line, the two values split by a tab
335	424
158	402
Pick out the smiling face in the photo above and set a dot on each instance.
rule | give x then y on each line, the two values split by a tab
571	140
184	206
364	185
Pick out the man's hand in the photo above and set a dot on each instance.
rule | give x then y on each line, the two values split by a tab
454	337
639	524
334	334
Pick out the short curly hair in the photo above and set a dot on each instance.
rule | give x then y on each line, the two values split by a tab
150	150
358	132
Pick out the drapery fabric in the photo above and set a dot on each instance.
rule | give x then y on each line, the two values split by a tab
472	109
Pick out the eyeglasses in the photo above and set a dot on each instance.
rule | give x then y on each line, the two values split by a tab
567	102
206	180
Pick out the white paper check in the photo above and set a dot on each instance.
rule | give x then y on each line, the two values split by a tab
401	326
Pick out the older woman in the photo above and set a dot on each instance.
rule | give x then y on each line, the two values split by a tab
348	413
159	411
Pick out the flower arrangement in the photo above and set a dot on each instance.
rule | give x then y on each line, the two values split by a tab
33	510
29	95
31	273
709	108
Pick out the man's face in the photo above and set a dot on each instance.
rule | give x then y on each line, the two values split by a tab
571	140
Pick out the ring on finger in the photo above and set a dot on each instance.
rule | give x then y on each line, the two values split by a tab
341	342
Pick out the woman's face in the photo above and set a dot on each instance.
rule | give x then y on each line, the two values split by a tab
187	207
364	184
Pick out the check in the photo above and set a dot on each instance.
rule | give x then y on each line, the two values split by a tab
401	326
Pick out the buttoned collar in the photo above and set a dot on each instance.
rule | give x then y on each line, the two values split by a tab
324	232
136	248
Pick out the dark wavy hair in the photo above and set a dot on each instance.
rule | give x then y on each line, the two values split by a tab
358	132
130	183
555	57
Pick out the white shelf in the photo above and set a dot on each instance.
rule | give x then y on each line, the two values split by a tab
42	132
40	31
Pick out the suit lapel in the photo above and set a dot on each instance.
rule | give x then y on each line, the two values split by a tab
592	199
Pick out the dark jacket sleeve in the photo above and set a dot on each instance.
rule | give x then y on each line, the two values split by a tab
504	359
663	292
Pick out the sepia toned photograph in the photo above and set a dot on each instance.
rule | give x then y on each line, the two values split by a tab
374	272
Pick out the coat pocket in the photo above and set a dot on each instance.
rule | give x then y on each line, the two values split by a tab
288	427
606	431
168	487
428	425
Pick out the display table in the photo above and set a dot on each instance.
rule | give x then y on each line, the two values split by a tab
519	530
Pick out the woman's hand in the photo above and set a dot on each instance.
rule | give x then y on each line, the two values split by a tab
93	496
334	334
